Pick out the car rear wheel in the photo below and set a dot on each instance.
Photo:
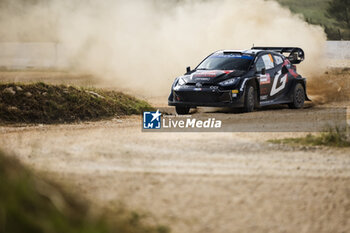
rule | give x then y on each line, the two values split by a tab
249	100
298	97
182	110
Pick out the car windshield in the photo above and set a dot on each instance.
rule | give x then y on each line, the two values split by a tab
232	61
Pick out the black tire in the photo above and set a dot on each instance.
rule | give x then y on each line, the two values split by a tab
298	97
250	99
182	110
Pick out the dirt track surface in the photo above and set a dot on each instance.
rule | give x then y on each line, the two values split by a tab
193	182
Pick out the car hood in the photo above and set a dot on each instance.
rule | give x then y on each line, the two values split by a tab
212	76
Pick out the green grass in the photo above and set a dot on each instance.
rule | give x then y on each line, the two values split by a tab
332	138
45	103
315	12
33	205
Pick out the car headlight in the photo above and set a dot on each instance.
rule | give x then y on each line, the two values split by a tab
229	82
181	82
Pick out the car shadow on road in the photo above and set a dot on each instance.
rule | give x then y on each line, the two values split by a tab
194	111
261	109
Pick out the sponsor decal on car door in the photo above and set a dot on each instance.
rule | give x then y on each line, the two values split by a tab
279	83
281	77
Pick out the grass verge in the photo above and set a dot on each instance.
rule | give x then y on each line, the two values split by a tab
30	204
315	12
331	138
46	103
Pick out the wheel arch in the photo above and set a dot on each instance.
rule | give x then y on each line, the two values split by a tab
302	81
255	83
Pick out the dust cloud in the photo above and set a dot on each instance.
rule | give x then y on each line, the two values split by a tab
143	45
331	87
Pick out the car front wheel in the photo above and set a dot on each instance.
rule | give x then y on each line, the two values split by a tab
182	110
249	101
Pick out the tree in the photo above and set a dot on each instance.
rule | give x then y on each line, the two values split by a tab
340	11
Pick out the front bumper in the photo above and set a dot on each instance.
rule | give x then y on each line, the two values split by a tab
205	97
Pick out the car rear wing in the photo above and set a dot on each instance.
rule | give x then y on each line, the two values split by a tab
295	55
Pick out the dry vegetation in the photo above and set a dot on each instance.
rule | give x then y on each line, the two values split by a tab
44	103
31	204
333	138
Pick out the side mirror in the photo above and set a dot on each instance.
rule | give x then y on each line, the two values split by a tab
263	71
188	69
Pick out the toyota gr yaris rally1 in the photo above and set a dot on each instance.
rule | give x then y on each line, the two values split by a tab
244	79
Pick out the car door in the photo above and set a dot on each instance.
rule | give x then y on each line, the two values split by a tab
280	78
266	62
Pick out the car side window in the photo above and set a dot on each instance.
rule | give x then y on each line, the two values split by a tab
265	61
268	60
278	59
260	65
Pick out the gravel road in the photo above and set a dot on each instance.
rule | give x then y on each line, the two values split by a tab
194	182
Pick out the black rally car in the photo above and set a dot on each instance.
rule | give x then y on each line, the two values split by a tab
244	79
